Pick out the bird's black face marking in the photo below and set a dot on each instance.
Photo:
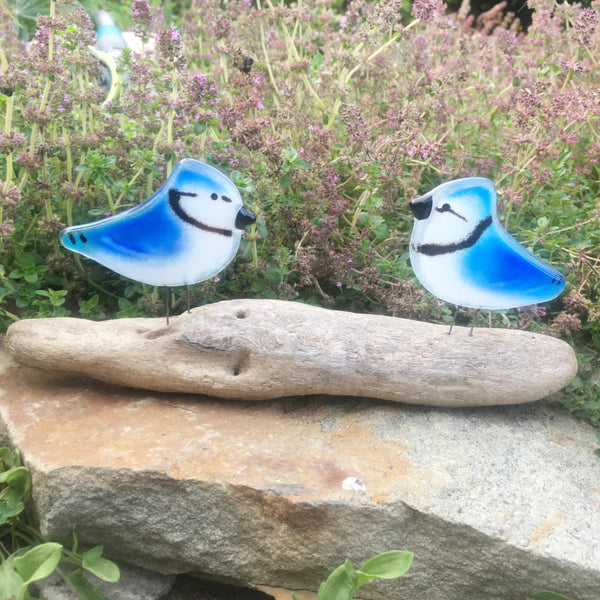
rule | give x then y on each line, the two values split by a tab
244	218
421	207
447	208
175	203
72	238
213	196
225	199
82	238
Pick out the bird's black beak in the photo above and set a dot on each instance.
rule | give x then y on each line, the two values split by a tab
244	218
421	207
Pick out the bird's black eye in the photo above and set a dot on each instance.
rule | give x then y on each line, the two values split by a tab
213	196
447	208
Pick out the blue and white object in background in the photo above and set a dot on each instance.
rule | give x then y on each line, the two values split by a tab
460	252
109	45
188	231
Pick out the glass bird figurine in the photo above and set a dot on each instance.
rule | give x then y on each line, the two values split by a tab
460	252
188	231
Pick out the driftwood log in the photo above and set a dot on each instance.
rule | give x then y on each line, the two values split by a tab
262	349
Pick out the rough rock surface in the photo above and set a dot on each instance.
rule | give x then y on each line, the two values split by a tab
495	502
264	349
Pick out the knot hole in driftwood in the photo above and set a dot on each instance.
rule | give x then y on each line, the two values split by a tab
241	362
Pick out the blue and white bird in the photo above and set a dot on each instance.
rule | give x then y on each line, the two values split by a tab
188	231
460	252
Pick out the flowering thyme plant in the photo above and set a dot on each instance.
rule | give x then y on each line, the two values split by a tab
329	123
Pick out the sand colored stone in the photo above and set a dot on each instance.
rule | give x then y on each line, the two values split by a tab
495	502
265	349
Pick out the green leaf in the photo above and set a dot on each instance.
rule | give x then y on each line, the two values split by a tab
97	212
11	505
10	582
27	261
548	596
200	127
290	155
19	478
317	62
302	165
285	180
12	495
101	567
340	585
83	588
39	562
388	565
8	457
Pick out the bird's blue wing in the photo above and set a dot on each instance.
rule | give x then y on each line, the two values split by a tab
499	264
147	231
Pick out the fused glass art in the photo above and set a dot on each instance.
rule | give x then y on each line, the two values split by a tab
462	254
188	231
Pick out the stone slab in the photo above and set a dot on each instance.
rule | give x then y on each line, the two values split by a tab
495	502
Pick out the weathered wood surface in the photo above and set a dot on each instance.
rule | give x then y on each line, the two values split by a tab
263	349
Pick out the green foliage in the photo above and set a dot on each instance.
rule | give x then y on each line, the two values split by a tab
26	555
291	162
37	563
25	13
15	484
344	581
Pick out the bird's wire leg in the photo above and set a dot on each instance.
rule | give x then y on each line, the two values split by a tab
475	313
187	296
168	301
453	319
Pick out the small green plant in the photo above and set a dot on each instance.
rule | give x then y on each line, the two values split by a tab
27	556
344	581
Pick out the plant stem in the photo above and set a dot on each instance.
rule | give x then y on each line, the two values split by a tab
9	163
293	51
110	200
44	99
345	75
131	181
170	119
267	59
